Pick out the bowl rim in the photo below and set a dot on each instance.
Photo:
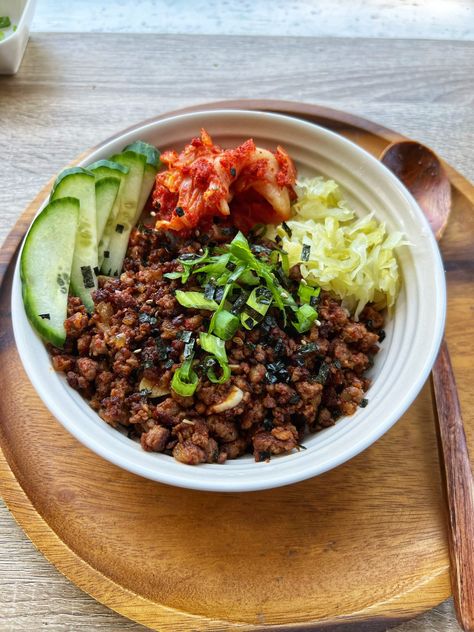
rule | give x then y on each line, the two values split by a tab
21	24
187	479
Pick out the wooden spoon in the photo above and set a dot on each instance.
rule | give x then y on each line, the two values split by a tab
423	175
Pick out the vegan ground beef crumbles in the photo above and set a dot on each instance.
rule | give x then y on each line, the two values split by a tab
282	383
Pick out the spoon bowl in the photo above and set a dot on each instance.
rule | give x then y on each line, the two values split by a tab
422	173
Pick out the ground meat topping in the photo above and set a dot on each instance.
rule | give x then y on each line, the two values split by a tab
282	385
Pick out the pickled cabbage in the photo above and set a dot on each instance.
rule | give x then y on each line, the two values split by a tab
352	257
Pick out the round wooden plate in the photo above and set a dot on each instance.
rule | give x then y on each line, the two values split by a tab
360	548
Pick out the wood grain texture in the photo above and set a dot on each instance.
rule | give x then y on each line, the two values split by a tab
44	106
422	173
459	488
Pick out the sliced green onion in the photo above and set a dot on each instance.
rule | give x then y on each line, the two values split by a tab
173	275
185	380
236	273
226	324
213	344
248	277
256	306
305	317
285	262
240	248
216	265
196	300
308	294
227	289
216	347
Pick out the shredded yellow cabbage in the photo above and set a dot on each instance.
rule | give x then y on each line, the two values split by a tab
349	256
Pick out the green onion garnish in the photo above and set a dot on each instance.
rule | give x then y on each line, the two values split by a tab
308	294
227	289
216	266
256	306
195	300
248	277
185	380
226	324
305	317
5	22
216	347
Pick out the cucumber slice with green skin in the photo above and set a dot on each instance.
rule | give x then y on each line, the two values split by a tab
150	151
153	163
80	183
128	212
149	176
104	169
45	267
106	191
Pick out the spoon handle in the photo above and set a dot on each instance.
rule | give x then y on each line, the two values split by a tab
459	488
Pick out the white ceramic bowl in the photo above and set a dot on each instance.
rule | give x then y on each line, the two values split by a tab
12	47
401	367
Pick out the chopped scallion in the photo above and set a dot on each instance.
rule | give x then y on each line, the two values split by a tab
216	347
255	307
308	294
195	300
185	380
226	324
305	317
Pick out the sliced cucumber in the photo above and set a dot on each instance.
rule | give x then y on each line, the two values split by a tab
151	153
128	212
151	168
80	183
104	169
106	191
45	267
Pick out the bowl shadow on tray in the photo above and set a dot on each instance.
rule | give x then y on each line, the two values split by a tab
234	555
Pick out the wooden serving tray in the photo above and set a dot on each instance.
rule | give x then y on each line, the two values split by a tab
360	548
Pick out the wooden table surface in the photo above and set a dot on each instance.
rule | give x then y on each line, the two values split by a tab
76	89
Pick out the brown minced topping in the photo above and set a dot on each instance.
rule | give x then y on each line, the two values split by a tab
283	384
